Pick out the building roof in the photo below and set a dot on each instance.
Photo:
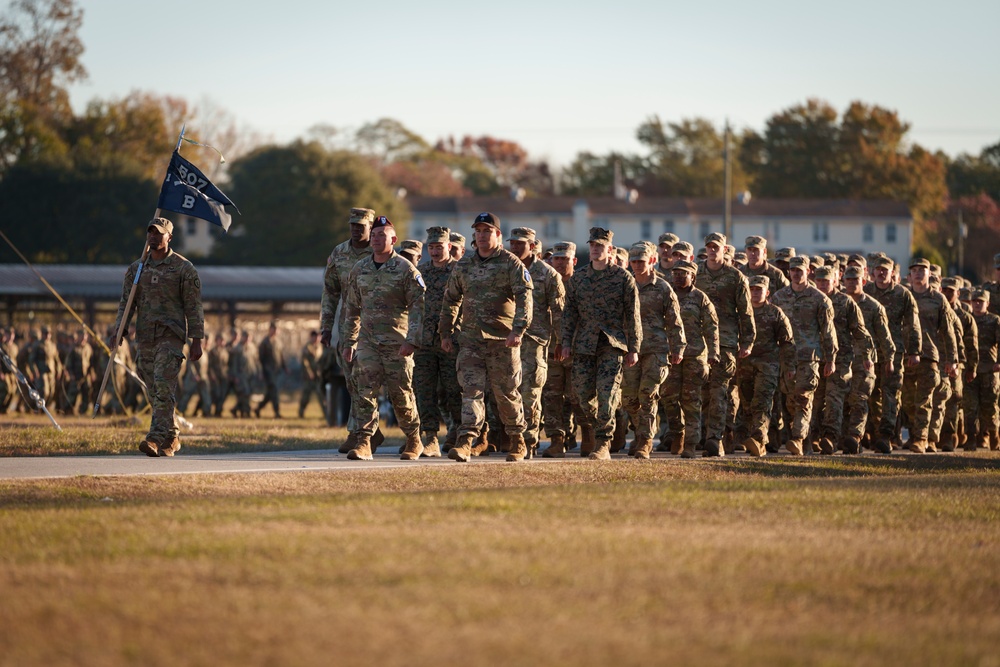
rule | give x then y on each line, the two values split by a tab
218	283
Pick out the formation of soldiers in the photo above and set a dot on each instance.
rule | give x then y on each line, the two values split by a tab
708	353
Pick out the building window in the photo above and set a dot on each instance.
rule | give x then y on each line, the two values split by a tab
890	232
776	230
191	228
704	229
821	232
645	229
867	233
553	231
668	227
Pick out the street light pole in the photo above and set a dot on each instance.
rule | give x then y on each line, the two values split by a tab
727	216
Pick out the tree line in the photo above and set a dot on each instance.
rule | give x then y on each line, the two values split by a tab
74	184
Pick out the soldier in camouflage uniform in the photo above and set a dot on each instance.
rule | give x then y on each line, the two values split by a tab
338	268
312	373
756	264
548	298
601	332
968	337
863	369
194	383
411	250
241	374
558	400
782	256
663	344
757	375
168	311
729	292
433	368
8	379
218	373
983	391
78	373
272	361
457	245
922	385
901	311
385	303
47	366
855	343
811	315
492	289
683	389
665	257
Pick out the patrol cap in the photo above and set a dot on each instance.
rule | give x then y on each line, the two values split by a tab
740	257
817	261
486	218
411	245
784	254
362	216
965	294
855	272
730	250
760	281
564	249
716	237
641	250
883	261
996	261
601	235
920	261
979	294
824	273
858	260
684	265
683	247
382	221
951	282
668	239
456	239
799	262
755	242
438	235
702	253
936	270
829	258
523	234
622	254
161	225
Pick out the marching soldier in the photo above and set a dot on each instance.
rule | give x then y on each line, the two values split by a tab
218	373
312	373
968	332
558	400
982	393
665	259
272	360
756	264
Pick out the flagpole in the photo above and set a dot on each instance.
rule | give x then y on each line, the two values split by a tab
123	326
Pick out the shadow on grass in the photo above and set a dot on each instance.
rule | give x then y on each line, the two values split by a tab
861	466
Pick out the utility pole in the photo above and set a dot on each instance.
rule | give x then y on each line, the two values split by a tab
727	216
962	233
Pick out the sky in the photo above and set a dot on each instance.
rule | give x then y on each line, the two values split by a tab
558	78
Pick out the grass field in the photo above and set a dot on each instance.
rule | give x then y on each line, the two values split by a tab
843	560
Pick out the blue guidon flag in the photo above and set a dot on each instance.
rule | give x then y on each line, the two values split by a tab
189	192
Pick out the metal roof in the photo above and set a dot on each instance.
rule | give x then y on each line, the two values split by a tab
218	283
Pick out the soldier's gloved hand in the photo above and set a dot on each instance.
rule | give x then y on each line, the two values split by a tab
405	350
325	337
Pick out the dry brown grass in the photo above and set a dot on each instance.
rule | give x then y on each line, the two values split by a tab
863	561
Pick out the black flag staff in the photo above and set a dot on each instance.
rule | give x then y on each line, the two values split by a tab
32	397
186	191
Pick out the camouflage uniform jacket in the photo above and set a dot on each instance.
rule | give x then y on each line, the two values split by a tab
168	300
218	363
384	304
775	340
849	324
602	304
548	297
988	326
493	293
936	328
436	279
774	274
878	326
660	314
45	358
338	269
993	288
239	364
272	355
701	325
729	292
662	272
811	315
968	337
78	360
901	310
311	370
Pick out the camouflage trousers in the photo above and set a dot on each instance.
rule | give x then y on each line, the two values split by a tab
835	390
953	406
310	387
757	381
534	370
920	385
220	389
158	366
862	384
434	374
376	366
489	364
270	392
800	391
682	398
558	400
939	407
347	367
981	414
717	410
597	381
200	389
77	389
641	385
888	390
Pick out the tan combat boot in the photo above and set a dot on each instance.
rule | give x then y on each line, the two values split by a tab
852	445
602	451
587	436
677	446
794	448
689	450
377	439
754	448
931	446
713	448
349	444
645	447
995	441
362	450
481	445
449	440
171	447
826	446
413	449
517	451
149	448
917	446
462	450
620	435
431	447
947	444
556	448
728	446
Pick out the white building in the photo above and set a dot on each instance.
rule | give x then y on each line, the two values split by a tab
809	226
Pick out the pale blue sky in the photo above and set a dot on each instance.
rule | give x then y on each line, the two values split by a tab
556	77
